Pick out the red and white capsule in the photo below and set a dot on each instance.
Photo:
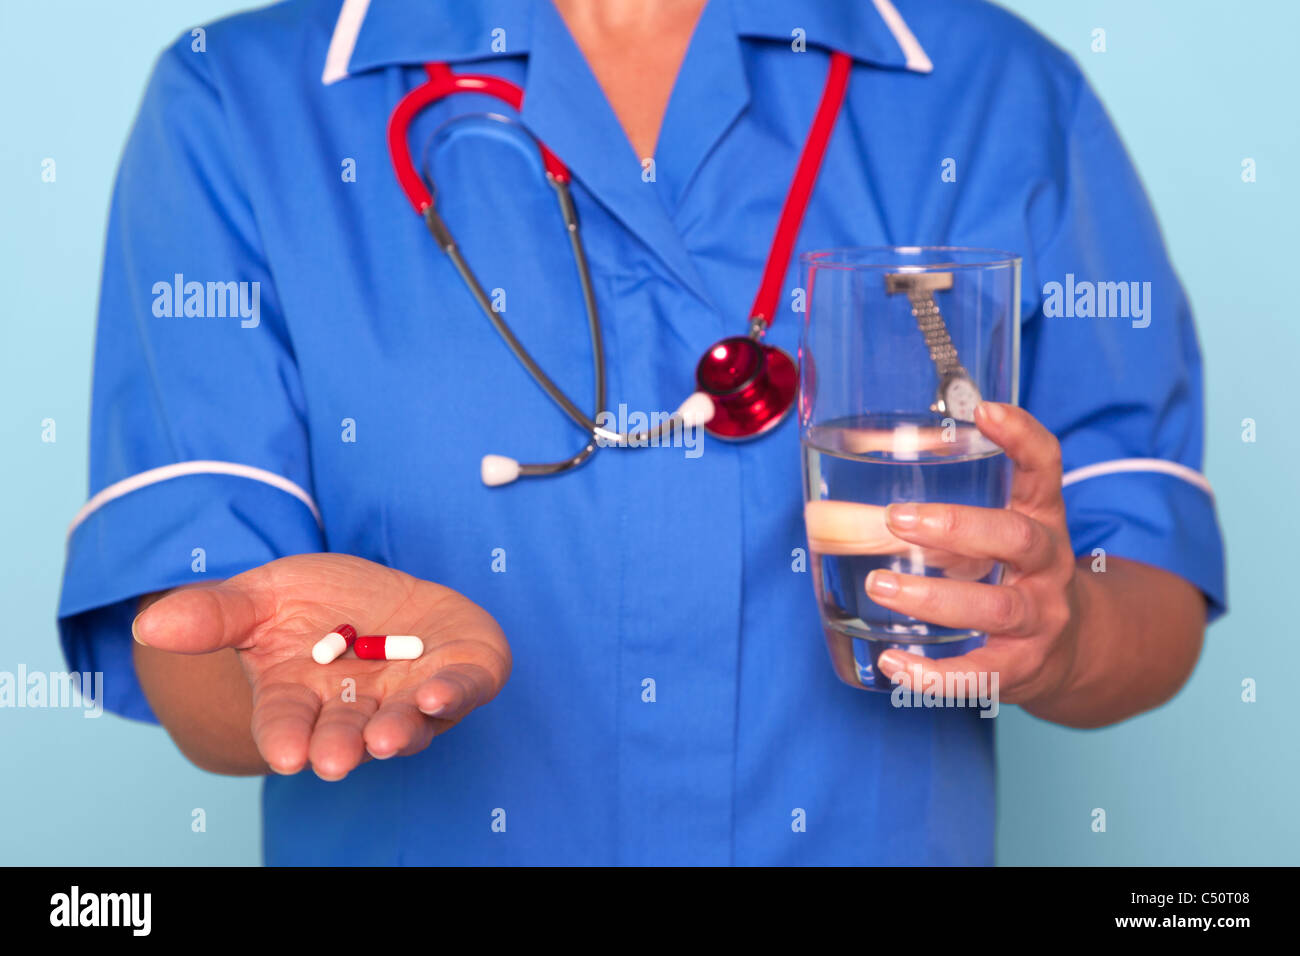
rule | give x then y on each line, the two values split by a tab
334	643
388	647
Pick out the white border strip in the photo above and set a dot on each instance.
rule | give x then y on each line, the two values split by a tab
344	40
1189	475
180	470
907	42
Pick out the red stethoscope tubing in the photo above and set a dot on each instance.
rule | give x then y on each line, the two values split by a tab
801	187
443	82
745	388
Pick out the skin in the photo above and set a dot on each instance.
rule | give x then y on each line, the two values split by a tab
1071	646
635	49
226	666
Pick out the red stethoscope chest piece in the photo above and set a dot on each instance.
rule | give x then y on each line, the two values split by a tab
752	387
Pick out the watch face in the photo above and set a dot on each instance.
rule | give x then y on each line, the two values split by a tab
959	396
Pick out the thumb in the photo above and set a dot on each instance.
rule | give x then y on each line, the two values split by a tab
1036	454
200	619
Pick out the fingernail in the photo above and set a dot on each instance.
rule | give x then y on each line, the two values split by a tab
882	583
993	411
379	756
903	515
435	711
889	662
135	631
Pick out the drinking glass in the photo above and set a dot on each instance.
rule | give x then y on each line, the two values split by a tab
898	347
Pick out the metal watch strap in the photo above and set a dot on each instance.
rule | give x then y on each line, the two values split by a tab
920	288
930	321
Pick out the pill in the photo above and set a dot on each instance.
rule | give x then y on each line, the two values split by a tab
334	643
388	647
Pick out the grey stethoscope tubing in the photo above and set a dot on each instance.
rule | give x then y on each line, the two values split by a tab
498	469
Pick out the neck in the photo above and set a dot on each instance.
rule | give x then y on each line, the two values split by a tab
634	49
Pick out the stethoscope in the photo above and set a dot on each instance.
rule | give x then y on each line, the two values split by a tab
745	388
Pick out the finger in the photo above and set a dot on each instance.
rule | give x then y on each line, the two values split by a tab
991	670
202	619
992	608
398	728
1036	485
283	717
337	745
847	528
995	533
455	690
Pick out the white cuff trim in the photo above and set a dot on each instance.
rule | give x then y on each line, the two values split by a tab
1189	475
344	40
180	470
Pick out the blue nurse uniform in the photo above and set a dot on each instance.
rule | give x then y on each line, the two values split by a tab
346	403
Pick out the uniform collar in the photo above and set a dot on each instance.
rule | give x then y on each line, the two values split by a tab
369	34
871	31
564	106
375	33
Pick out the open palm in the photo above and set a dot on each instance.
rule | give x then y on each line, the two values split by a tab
335	715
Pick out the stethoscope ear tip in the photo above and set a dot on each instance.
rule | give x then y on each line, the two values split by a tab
696	410
498	470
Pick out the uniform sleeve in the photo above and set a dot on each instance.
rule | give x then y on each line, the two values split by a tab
199	462
1112	366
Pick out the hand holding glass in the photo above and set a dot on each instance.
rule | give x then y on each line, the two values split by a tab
899	346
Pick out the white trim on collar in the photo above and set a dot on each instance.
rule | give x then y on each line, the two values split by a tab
907	42
344	40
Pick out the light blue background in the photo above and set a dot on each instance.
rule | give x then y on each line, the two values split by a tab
1193	87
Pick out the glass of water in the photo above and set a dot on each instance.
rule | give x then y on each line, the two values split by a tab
898	347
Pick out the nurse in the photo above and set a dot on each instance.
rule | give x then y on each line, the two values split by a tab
623	664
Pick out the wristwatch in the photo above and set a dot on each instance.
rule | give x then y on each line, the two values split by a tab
957	394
